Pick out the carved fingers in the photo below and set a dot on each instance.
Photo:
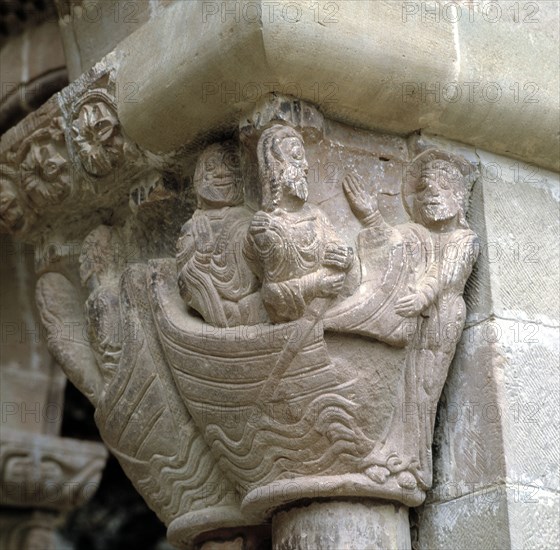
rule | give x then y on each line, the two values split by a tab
260	223
330	284
338	256
411	305
263	223
360	201
203	235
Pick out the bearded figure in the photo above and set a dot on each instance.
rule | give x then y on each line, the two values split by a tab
291	245
413	277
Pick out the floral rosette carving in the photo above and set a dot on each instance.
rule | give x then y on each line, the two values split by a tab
97	134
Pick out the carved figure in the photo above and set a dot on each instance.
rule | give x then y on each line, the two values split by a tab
97	134
291	245
138	410
435	255
12	216
102	260
43	162
214	277
260	393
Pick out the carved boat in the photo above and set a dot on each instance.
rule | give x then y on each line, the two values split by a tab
306	428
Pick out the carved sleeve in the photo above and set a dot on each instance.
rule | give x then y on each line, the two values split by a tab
185	245
452	268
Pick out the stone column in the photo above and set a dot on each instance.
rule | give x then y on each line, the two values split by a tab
344	525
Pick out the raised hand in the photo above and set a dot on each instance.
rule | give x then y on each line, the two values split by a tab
202	235
338	256
362	203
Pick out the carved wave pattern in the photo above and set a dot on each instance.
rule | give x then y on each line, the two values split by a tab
326	440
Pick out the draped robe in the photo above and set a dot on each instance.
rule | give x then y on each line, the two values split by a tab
396	262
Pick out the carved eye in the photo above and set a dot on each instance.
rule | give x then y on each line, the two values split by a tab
211	165
104	128
297	152
422	184
231	160
443	182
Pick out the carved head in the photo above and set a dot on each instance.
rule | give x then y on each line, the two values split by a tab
282	165
436	190
44	171
97	134
217	177
12	217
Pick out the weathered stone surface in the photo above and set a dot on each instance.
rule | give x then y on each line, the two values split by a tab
519	247
321	53
27	530
38	468
90	29
342	525
496	517
498	419
296	347
322	246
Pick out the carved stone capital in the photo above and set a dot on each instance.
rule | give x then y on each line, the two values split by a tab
279	331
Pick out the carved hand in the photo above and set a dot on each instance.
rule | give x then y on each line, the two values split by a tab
266	223
260	223
202	235
330	284
411	305
360	201
338	256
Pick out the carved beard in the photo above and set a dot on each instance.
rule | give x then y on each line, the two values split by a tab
295	182
442	212
436	213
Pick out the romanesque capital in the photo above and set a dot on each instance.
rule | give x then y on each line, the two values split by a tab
278	331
